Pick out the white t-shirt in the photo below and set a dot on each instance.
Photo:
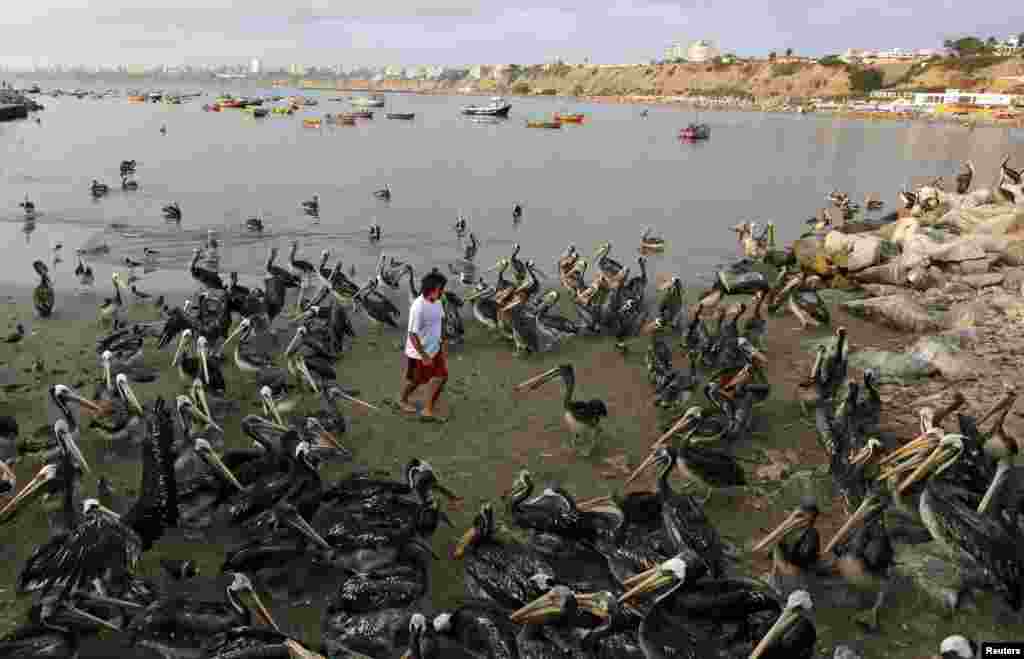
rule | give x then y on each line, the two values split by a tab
425	321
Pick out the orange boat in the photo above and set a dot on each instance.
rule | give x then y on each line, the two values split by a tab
233	103
573	118
136	99
311	123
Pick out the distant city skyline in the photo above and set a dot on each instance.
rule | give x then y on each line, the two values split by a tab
454	32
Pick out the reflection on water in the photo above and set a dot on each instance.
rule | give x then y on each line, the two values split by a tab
604	180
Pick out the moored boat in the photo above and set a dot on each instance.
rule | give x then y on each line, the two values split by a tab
407	116
136	98
311	123
498	107
358	114
257	111
375	101
283	110
695	132
543	123
343	120
570	118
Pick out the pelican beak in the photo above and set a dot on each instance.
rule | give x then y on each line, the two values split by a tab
199	414
71	446
648	581
863	456
84	616
926	440
1003	470
215	461
87	403
254	603
10	510
238	330
650	460
179	350
475	294
797	519
270	407
206	369
109	601
295	520
357	401
940	457
296	651
133	399
596	604
788	618
292	344
537	381
541	610
866	509
199	393
683	423
516	301
464	543
300	363
595	504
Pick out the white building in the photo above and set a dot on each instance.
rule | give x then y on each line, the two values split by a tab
256	66
675	51
702	51
951	96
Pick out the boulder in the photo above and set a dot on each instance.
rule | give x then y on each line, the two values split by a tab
891	366
1011	305
900	312
1014	253
942	354
890	274
859	251
810	254
984	280
899	230
957	251
972	267
965	315
881	290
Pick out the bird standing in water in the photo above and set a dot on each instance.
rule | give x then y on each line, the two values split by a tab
43	297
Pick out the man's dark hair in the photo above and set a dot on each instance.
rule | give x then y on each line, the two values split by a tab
432	281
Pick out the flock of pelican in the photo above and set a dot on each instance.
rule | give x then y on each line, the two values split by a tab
642	574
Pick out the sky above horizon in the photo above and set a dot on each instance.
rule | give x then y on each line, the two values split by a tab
329	32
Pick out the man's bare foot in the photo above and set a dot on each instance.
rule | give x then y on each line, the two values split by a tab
406	406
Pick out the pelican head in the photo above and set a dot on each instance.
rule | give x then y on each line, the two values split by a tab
958	647
547	608
61	393
270	405
121	382
798	604
91	506
242	589
686	423
244	327
802	517
205	451
671	572
603	250
674	282
183	342
324	438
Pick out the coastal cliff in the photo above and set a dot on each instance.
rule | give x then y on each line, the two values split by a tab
750	79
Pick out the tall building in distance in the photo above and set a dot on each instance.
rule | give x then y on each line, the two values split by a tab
255	66
702	51
675	51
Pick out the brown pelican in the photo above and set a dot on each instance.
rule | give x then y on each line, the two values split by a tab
977	539
503	572
43	296
581	416
610	269
207	278
303	269
1008	172
312	206
793	635
964	178
172	212
795	542
384	193
84	271
99	189
481	628
110	309
517	212
289	279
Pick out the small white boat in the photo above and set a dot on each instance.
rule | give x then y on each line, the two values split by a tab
375	101
498	107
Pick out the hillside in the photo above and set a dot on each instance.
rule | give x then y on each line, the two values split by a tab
760	80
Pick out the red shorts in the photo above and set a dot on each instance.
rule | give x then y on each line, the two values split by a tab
417	372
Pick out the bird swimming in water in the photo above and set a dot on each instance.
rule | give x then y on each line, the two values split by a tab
375	232
384	193
254	224
517	213
17	335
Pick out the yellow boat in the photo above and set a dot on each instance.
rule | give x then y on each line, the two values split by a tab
283	110
311	123
543	124
572	118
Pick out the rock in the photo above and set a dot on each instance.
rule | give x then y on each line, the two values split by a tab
972	267
897	311
942	354
955	287
1013	278
891	366
899	230
882	290
965	315
1014	253
1010	305
811	255
956	252
859	251
983	281
891	273
922	278
845	652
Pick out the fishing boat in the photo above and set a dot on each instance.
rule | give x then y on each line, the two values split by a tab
257	111
283	110
311	123
695	132
358	114
407	116
570	118
543	123
343	120
155	97
136	98
498	107
375	101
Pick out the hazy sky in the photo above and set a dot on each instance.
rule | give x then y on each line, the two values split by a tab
464	31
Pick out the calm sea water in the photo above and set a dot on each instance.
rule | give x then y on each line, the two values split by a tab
605	180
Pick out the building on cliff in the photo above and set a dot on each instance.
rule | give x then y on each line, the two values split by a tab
702	51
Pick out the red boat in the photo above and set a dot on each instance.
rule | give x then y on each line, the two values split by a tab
695	132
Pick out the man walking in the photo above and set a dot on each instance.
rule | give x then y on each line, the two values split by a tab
426	347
